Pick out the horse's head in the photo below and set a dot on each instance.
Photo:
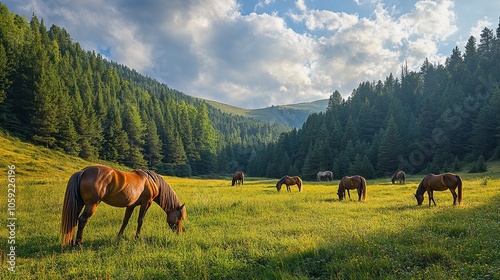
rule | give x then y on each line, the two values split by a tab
278	186
420	199
341	194
176	217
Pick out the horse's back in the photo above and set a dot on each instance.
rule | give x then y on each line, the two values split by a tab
441	181
114	187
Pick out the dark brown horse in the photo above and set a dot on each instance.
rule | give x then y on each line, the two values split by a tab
441	182
350	183
288	181
238	178
400	175
88	187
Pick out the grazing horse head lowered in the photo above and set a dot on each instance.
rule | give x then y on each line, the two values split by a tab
400	175
88	187
441	182
238	178
288	181
350	183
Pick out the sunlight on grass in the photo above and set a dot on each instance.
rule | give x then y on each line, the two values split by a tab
252	231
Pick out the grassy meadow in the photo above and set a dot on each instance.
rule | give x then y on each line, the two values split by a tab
252	231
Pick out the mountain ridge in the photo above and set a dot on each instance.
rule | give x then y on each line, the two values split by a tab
293	115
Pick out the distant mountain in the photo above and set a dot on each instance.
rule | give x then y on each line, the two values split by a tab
293	115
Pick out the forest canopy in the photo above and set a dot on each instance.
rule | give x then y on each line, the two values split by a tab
55	94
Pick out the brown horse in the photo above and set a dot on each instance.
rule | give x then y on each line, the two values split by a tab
350	183
288	181
400	175
441	182
238	178
88	187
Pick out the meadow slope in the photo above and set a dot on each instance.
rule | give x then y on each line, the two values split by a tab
253	232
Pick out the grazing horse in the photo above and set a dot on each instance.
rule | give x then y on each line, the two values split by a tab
400	175
88	187
350	183
238	178
440	182
288	181
325	174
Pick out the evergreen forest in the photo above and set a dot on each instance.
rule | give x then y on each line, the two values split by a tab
438	119
54	93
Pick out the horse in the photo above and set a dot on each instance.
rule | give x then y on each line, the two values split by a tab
440	182
238	178
288	181
88	187
350	183
400	175
325	174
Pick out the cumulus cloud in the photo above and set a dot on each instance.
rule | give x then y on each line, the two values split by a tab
211	49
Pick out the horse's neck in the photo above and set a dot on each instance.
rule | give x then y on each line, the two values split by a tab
168	199
420	188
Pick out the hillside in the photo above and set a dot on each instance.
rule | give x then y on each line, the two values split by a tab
252	231
293	115
55	94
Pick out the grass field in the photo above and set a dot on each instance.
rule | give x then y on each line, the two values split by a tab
253	232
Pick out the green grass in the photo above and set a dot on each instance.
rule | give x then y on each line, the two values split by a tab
253	232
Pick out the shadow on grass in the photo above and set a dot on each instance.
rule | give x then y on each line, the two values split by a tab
446	245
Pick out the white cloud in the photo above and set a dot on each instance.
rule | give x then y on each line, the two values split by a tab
212	50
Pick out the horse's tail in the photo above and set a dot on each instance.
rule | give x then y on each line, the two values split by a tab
459	189
242	178
299	182
363	188
72	207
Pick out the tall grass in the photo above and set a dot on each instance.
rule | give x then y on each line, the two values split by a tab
254	232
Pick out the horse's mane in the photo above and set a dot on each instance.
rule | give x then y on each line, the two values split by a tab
421	189
168	199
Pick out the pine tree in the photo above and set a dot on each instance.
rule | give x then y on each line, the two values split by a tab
205	140
135	129
44	121
389	149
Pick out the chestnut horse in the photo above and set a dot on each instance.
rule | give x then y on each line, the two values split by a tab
441	182
350	183
88	187
400	175
238	178
288	181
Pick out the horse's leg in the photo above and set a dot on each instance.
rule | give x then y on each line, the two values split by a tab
128	213
82	221
142	213
349	194
359	194
454	196
431	197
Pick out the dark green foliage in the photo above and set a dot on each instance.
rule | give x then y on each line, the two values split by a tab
56	94
433	120
479	165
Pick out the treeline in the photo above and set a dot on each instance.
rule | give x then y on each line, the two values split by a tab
433	120
55	94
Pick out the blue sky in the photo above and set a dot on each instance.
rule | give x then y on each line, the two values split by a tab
259	53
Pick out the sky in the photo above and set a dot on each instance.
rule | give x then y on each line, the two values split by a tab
257	53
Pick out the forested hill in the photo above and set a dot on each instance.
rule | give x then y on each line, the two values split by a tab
54	93
432	120
292	115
